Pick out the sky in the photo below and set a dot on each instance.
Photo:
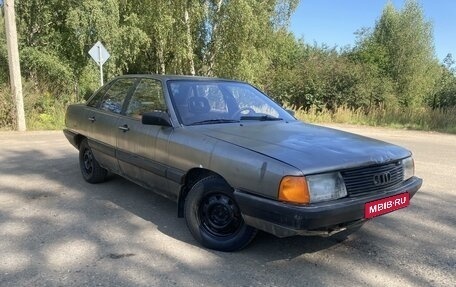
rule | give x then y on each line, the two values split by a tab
333	22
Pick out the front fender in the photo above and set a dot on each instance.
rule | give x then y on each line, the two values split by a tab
248	170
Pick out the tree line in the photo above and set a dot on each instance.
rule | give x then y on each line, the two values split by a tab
392	63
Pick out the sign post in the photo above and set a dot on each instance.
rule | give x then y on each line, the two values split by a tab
100	55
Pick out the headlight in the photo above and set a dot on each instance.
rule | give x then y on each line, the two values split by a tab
409	167
311	189
323	187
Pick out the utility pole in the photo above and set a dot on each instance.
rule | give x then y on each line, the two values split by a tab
13	62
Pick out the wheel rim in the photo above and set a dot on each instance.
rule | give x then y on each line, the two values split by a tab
220	215
88	161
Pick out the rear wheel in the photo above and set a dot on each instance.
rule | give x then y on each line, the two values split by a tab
91	171
214	218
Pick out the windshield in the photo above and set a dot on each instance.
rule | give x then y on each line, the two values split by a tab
214	102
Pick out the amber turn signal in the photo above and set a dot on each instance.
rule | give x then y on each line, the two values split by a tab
294	189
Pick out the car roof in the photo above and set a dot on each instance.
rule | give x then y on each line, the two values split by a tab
174	77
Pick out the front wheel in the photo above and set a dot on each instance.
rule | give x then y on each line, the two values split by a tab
214	218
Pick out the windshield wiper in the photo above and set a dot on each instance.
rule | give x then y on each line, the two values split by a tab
214	121
260	118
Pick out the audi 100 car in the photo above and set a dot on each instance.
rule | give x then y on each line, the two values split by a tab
234	161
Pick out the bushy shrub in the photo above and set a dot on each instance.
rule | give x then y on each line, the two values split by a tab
6	109
44	112
88	82
48	72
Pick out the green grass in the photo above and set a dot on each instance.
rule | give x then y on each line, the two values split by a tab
51	118
408	118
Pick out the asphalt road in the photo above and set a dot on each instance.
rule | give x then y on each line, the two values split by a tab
57	230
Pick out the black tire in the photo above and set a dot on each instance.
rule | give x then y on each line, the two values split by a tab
90	168
214	218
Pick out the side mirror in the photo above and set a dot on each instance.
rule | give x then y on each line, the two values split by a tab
156	119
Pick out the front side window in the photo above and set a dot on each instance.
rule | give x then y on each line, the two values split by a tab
115	96
148	97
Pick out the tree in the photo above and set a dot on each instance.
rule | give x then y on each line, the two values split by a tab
90	21
445	95
241	37
287	54
401	46
209	37
173	29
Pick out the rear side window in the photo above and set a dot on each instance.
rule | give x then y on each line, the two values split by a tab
148	97
114	98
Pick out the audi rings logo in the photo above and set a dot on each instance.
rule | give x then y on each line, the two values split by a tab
382	178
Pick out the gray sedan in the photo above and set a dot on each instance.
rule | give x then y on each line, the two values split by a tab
234	160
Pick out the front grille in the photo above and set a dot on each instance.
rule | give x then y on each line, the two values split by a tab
361	181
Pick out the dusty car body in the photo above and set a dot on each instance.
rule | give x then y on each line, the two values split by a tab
234	160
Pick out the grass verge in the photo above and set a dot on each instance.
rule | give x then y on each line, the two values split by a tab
441	120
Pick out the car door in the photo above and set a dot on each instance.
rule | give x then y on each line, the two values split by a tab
136	143
87	116
104	118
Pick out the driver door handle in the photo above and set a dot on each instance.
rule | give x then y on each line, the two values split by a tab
124	128
92	119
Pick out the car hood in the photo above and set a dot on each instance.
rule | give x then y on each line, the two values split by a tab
310	148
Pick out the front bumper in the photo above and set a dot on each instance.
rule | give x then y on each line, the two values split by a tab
283	220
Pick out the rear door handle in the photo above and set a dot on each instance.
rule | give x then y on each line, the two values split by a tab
92	119
124	128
